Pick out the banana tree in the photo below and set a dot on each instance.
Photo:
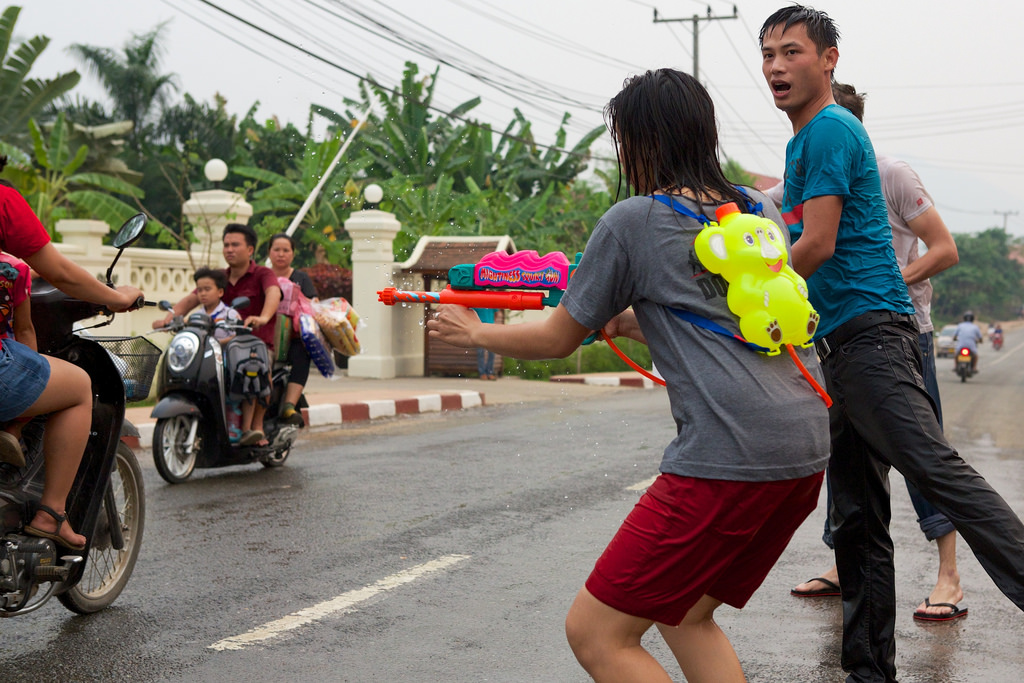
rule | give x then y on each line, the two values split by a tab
277	197
408	139
21	97
55	190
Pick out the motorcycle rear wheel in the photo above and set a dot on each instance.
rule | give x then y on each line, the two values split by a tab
107	570
173	461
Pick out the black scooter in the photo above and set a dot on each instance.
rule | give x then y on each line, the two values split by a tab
194	414
107	501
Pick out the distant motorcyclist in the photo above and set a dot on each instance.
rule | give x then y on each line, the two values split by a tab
996	336
967	336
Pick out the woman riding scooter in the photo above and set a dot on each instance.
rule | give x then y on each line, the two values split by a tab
34	384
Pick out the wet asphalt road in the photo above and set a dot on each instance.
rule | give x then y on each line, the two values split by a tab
448	548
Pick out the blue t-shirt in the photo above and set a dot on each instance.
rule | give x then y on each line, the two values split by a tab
832	156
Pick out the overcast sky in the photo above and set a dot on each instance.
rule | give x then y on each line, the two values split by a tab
946	98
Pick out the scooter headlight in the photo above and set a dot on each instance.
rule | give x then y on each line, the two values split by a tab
182	351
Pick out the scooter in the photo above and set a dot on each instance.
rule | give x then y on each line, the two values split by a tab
195	415
997	340
107	501
964	363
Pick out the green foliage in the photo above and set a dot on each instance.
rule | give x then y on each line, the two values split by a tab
268	144
736	174
132	80
275	195
23	98
597	357
54	189
986	280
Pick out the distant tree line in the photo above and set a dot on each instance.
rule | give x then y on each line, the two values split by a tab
987	280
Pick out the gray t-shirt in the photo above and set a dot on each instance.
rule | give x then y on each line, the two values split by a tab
740	415
905	200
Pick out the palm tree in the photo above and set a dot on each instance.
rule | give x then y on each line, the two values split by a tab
23	98
132	81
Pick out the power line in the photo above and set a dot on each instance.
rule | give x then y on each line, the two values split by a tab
370	80
696	19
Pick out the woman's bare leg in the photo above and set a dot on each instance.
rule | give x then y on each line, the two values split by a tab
67	398
702	649
606	643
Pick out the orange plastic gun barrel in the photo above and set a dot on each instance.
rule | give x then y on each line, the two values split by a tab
515	301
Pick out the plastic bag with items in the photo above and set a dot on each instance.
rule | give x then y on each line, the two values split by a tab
315	345
338	321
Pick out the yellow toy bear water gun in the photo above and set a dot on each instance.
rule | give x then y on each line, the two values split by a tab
765	293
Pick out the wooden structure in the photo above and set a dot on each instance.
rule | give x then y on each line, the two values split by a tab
431	259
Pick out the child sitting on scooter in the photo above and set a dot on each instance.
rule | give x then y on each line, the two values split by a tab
210	286
16	324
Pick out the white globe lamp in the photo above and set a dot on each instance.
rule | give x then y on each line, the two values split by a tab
216	170
373	194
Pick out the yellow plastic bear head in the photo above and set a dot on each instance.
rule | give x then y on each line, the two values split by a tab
768	296
742	243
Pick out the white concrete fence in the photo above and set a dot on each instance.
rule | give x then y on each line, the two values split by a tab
391	336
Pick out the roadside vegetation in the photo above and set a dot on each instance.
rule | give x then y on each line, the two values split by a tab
443	172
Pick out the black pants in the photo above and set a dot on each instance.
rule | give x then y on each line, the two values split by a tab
882	417
298	357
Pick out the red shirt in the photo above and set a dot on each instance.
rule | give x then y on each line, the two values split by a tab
253	284
21	233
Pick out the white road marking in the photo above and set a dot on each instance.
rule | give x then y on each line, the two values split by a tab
643	485
343	603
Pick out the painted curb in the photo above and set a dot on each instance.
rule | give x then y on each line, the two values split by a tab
635	382
324	414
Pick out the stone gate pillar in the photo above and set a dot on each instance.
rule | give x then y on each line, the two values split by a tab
373	235
208	211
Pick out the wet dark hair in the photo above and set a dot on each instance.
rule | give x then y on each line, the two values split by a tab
244	230
281	236
847	96
218	276
663	127
822	31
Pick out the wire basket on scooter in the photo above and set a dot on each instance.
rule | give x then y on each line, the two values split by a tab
136	359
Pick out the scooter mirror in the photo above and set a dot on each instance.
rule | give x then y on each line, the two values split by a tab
165	305
239	302
130	231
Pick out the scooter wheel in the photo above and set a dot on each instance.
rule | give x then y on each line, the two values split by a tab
173	454
107	569
275	460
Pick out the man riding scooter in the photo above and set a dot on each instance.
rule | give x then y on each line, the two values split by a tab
259	284
967	336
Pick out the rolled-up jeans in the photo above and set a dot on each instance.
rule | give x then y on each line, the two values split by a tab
882	417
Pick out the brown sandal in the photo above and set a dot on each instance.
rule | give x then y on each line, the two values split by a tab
55	534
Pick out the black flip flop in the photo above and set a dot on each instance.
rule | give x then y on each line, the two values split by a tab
956	613
830	590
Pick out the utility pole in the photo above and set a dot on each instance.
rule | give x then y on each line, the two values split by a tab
696	19
1006	214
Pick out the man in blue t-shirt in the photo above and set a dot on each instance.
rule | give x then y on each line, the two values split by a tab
881	415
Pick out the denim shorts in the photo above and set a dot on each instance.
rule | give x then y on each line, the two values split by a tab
23	376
